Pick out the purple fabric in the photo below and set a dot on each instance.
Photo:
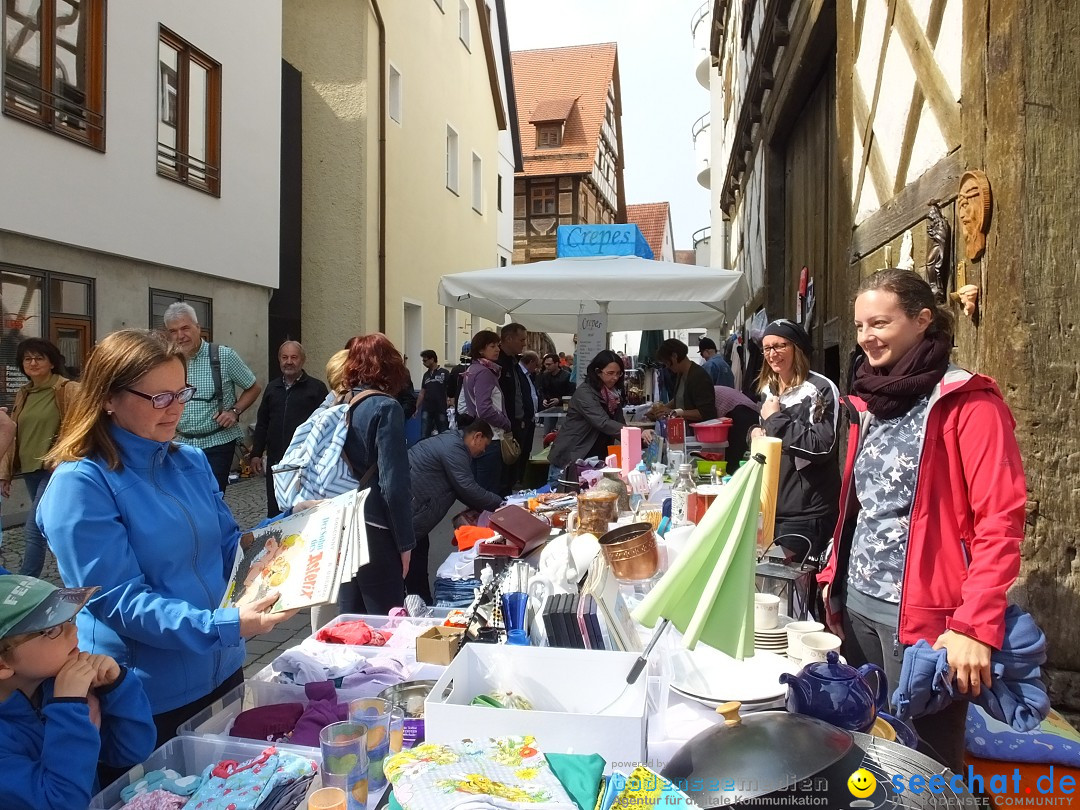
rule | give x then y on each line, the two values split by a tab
268	723
322	710
727	399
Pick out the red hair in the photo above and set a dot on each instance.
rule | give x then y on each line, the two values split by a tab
375	362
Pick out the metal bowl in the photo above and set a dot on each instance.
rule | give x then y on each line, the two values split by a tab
409	696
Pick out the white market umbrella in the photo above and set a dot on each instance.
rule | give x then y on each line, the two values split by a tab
635	293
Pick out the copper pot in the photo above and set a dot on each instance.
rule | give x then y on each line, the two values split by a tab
631	551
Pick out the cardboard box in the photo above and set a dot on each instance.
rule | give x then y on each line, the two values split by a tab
439	645
581	701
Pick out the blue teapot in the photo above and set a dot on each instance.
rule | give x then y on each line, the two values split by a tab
837	693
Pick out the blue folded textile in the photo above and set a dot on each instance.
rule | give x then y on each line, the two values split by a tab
1016	695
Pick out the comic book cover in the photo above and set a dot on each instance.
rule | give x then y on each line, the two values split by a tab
299	556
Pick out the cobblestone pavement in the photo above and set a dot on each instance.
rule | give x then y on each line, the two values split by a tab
247	500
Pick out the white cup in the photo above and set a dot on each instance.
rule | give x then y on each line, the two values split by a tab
766	611
795	633
815	646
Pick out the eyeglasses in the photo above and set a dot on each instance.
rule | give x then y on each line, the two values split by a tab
34	358
776	348
166	398
49	632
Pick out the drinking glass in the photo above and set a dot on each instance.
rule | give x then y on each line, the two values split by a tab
375	714
345	761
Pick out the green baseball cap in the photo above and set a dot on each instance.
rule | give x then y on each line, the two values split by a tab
28	604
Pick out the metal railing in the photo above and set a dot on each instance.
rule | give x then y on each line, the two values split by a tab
701	235
700	125
703	12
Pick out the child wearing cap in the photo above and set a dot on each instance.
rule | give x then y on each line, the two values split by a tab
61	710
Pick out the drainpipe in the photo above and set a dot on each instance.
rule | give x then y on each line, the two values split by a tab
382	163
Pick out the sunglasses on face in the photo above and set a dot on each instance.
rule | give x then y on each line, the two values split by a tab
166	398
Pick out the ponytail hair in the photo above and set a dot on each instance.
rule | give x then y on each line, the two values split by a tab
914	295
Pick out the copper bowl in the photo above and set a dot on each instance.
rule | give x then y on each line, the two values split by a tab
631	551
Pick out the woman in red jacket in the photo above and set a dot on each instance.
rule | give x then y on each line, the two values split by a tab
932	504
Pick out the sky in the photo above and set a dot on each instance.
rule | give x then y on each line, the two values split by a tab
661	99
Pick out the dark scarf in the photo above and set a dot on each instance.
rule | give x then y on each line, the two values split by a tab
892	392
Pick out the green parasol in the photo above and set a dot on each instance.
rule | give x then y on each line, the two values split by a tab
708	594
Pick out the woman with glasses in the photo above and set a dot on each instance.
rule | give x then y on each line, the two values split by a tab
129	510
928	542
40	407
800	408
595	417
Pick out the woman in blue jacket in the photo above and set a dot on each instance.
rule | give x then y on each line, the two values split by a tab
143	518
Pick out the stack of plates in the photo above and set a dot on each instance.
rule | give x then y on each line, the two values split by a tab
710	677
773	640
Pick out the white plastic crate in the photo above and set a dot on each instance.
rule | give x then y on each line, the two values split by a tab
190	756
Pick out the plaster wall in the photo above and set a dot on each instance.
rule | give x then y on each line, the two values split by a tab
115	202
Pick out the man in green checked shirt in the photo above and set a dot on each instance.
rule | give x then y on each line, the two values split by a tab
211	419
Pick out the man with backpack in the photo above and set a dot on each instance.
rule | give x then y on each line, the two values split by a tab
288	402
211	419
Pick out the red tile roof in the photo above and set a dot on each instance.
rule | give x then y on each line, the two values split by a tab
550	110
653	220
550	75
685	257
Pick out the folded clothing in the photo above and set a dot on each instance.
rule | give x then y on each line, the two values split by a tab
356	632
1053	741
455	593
346	666
158	799
167	779
297	723
229	785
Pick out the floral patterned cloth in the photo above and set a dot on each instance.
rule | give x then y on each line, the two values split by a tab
508	773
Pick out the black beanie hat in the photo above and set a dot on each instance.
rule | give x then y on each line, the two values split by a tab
790	331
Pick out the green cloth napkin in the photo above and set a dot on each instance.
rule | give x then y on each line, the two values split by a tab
580	774
708	593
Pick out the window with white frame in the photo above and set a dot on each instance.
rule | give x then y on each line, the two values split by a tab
463	24
477	184
451	159
394	91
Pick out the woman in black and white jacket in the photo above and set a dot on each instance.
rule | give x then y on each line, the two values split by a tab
800	408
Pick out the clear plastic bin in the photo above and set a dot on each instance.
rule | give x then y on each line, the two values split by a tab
191	755
390	623
217	719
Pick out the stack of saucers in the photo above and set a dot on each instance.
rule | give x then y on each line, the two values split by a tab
774	639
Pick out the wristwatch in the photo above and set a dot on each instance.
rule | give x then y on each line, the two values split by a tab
234	410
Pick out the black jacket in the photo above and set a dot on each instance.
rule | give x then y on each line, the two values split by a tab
282	411
554	386
516	398
440	469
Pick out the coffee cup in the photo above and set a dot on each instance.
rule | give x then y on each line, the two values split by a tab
766	611
815	646
795	633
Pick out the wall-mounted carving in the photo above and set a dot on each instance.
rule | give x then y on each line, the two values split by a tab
938	242
973	207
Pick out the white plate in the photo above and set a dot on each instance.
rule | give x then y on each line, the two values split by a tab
710	674
746	708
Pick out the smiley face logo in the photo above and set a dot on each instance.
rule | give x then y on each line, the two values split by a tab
861	783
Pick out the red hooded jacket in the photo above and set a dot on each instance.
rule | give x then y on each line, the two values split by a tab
967	515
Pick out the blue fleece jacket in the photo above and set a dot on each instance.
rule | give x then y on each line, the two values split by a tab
160	541
1016	696
49	754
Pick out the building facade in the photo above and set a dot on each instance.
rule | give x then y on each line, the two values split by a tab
141	145
842	129
401	111
570	120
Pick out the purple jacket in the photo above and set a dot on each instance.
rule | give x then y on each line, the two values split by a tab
483	396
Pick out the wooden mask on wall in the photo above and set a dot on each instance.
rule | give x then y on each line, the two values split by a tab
973	207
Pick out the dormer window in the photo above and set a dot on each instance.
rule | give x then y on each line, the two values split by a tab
549	136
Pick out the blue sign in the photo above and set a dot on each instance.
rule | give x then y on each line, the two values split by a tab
602	240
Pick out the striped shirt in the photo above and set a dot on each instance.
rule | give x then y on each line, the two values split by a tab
199	413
